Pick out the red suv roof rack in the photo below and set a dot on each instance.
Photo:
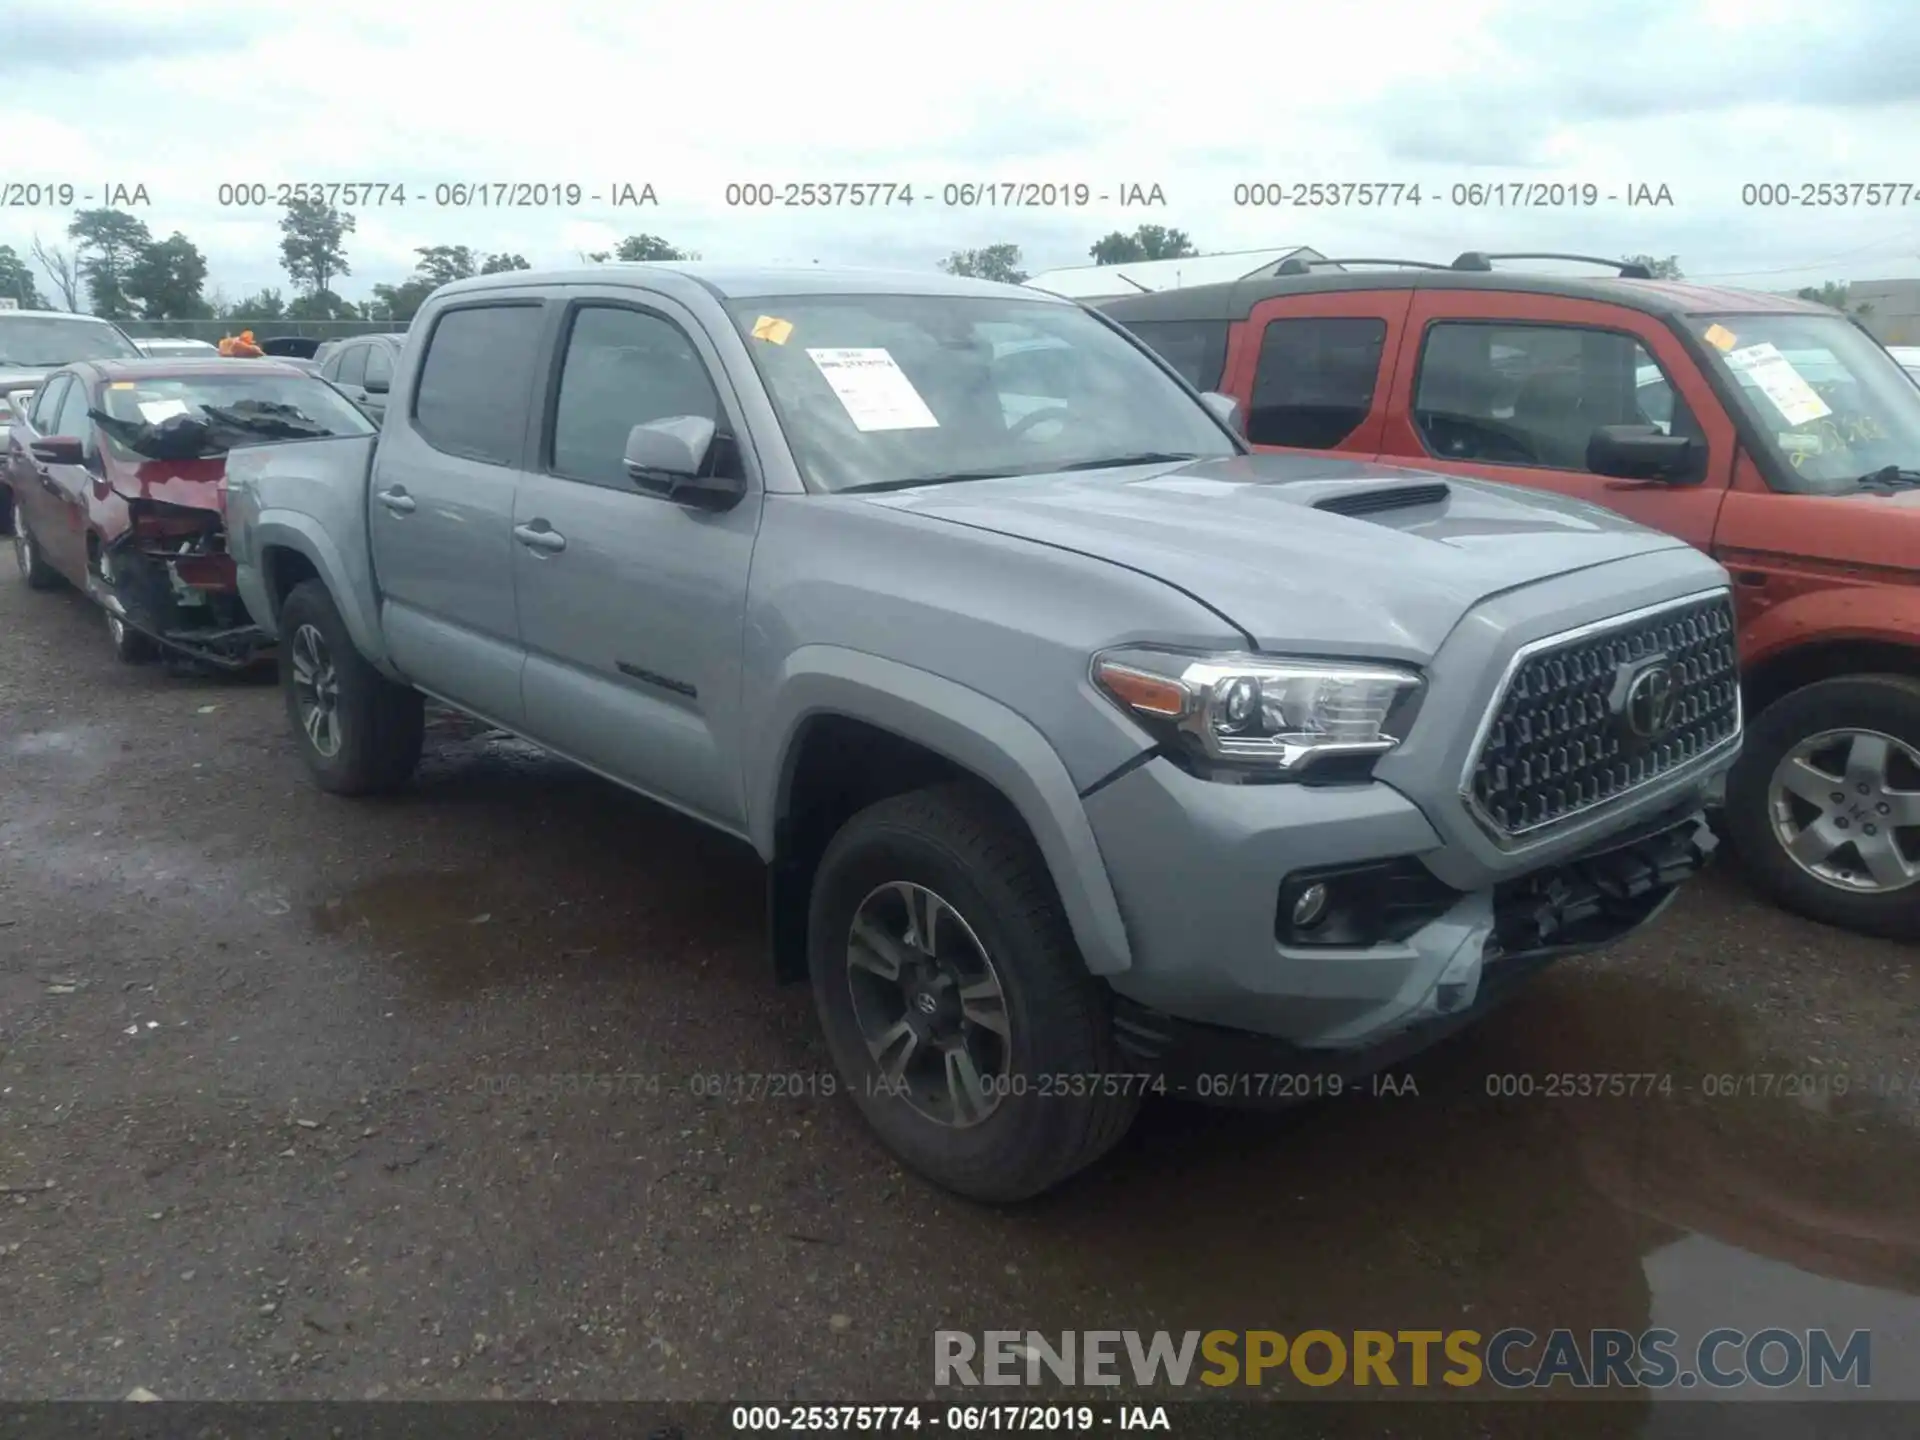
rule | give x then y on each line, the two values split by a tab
1483	260
1294	265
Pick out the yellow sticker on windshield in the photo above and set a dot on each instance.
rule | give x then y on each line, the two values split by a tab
772	330
121	385
1721	338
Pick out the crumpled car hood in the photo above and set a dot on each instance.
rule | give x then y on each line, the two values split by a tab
1243	536
191	483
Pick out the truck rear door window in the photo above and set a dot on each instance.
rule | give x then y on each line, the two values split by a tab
475	379
1197	349
1314	381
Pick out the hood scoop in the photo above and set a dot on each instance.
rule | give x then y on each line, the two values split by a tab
1378	501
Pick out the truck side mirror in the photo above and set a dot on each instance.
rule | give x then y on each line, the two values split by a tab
670	457
1645	452
1227	410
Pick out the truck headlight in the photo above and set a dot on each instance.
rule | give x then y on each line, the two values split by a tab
1261	713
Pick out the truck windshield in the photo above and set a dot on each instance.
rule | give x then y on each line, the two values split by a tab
189	416
1824	396
884	391
50	340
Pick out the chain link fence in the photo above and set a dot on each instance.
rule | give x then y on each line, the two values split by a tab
212	330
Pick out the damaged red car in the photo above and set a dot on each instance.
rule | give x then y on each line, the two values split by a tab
118	469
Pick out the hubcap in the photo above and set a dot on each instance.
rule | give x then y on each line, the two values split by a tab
929	1005
1845	806
316	690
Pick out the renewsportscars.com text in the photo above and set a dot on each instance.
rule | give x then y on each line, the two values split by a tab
1512	1359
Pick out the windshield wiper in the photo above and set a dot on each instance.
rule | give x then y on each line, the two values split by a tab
871	486
268	418
1114	462
1889	477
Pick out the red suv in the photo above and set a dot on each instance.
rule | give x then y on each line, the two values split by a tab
1777	435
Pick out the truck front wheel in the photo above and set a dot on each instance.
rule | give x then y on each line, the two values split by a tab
1824	803
358	731
954	1002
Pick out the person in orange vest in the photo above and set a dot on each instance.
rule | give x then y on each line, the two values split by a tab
240	345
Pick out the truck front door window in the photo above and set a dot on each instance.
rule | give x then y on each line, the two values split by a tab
1313	384
475	379
1535	394
622	368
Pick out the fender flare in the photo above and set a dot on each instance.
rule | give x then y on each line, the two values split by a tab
291	530
1874	614
971	730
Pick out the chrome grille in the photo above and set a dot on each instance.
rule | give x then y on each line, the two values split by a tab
1562	741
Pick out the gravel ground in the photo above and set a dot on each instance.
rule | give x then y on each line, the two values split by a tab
292	1106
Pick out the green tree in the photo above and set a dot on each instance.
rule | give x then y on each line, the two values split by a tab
643	247
108	242
495	264
1148	242
400	303
266	304
16	281
313	245
61	267
1834	294
166	279
320	305
443	264
1667	269
990	262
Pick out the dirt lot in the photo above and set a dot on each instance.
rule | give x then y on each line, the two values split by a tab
302	1097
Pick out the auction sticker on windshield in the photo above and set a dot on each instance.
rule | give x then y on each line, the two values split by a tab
154	411
875	390
1773	375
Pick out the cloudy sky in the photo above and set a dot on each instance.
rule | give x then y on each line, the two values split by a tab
1699	96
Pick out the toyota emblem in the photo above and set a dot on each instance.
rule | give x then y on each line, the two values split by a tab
1651	698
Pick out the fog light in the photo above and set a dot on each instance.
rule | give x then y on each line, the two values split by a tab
1310	907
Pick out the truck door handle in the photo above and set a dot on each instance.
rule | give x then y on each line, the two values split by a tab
398	501
545	538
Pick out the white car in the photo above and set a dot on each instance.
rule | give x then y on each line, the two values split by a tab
168	347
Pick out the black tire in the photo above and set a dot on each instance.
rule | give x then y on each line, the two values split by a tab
380	724
32	560
130	647
965	846
1887	704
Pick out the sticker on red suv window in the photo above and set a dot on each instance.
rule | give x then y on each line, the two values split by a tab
1772	374
1721	338
876	391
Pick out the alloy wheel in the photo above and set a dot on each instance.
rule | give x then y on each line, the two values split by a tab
1845	806
929	1004
23	549
316	690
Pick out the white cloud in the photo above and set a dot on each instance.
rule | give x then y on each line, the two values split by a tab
1701	97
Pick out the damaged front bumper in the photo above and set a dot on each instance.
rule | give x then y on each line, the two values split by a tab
169	577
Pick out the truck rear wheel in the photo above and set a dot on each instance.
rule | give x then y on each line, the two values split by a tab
1824	803
358	731
954	1002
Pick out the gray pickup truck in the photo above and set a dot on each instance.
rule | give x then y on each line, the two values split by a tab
1091	756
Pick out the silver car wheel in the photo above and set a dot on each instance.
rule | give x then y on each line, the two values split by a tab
316	690
1845	806
929	1005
